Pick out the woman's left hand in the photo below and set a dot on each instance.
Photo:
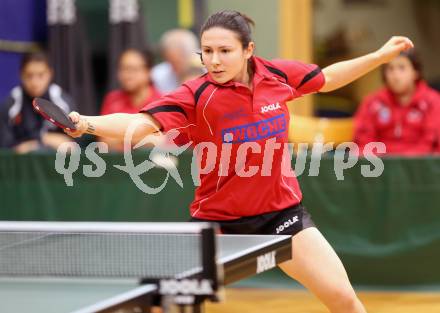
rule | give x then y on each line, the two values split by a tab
393	47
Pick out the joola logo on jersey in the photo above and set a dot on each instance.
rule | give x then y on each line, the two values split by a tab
266	262
270	107
255	131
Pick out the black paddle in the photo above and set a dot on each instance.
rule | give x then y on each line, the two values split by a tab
53	114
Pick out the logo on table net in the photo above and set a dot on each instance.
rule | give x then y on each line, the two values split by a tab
255	131
266	262
185	287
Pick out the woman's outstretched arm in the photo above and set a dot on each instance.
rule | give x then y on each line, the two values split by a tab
342	73
114	125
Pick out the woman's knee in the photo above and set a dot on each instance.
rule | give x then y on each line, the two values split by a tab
344	300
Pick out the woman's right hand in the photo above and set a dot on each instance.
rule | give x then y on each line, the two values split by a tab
80	123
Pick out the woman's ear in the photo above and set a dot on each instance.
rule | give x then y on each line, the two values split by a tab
249	51
51	73
201	59
418	76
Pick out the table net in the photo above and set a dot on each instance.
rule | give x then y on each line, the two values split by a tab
99	254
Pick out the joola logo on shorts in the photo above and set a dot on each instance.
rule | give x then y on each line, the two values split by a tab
185	287
266	262
270	107
255	131
287	224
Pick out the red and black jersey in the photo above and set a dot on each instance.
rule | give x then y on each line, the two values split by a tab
411	129
242	137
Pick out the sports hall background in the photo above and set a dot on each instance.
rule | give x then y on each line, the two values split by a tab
386	229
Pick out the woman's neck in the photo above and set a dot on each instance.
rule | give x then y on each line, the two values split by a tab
246	76
405	98
138	97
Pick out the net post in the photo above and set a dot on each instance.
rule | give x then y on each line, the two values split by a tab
210	269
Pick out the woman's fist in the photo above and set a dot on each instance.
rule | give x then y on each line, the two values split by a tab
81	125
393	47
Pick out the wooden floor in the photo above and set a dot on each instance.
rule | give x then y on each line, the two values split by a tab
293	301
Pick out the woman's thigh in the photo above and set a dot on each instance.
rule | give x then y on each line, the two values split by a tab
317	267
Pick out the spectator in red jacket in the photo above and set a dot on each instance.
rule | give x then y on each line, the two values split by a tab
404	115
136	89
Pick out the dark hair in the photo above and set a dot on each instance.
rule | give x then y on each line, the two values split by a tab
414	58
232	20
34	57
145	54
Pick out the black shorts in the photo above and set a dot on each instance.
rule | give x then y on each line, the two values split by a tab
289	221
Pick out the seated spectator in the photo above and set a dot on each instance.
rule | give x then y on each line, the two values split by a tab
404	115
179	49
21	128
136	90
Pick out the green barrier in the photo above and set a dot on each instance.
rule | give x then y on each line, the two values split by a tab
33	190
385	229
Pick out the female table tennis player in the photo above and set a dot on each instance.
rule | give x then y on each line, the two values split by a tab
242	101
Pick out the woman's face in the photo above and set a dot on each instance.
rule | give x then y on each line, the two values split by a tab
36	77
133	73
400	75
223	54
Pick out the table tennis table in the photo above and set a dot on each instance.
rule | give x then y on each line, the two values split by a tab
76	285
